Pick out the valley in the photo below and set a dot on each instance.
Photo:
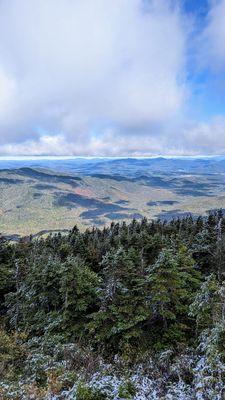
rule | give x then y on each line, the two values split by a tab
50	195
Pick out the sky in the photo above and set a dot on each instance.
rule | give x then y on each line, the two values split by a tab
112	77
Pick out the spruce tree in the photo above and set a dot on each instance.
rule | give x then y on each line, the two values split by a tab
123	307
172	280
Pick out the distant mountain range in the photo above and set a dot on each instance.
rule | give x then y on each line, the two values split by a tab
122	166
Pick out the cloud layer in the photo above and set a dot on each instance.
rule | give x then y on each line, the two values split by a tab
100	77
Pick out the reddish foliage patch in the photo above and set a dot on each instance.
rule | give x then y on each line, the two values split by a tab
83	192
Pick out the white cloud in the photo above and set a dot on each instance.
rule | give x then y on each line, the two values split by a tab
75	69
213	38
109	144
205	137
7	87
192	138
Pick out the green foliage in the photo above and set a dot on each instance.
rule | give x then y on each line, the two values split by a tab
127	391
79	293
12	353
126	290
6	270
206	303
85	392
172	281
123	308
209	311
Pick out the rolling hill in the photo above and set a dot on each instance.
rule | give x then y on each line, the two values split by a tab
35	198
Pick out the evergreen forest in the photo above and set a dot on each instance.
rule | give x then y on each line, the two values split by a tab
129	311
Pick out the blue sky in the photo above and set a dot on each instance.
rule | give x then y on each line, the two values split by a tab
198	8
208	99
112	78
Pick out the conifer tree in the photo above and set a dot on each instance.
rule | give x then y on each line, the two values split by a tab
123	307
172	282
79	287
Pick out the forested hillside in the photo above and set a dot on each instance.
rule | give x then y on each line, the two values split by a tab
36	200
131	311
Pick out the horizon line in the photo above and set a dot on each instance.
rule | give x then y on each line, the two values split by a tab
71	157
